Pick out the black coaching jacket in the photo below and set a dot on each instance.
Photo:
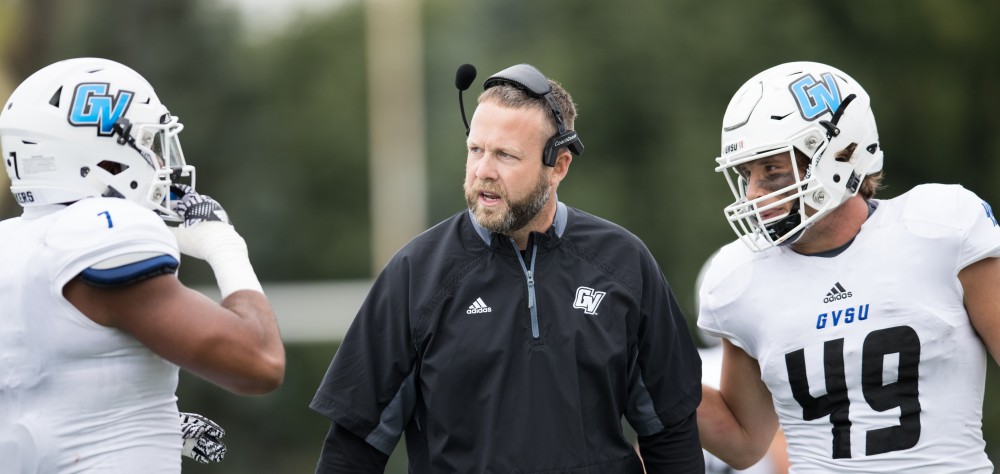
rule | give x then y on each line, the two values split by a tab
495	360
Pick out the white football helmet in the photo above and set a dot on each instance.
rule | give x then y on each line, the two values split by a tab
805	106
91	127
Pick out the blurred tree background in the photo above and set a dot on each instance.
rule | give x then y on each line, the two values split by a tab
277	121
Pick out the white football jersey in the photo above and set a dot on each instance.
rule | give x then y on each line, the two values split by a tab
869	355
76	396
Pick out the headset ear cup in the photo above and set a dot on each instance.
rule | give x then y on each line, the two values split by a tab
576	147
567	139
551	151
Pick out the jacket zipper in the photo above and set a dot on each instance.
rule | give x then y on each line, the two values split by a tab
529	275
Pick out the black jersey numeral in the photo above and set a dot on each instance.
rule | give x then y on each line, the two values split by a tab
902	393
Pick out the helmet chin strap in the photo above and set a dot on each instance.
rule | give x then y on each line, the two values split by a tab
777	230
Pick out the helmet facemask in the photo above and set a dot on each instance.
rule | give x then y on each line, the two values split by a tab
746	215
159	146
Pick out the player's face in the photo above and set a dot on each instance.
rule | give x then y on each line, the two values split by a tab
768	175
506	185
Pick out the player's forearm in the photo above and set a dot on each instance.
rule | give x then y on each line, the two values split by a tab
257	351
723	435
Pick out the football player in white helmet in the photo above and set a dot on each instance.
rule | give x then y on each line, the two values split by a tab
95	320
861	324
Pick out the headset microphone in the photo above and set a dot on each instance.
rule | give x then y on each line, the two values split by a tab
463	79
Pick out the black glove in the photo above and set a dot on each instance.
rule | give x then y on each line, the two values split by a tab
202	438
194	208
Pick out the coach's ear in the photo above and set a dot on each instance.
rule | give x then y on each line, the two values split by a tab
561	167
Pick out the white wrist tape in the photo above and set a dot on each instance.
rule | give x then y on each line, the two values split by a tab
225	251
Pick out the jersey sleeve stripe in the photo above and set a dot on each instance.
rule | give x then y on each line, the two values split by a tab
130	273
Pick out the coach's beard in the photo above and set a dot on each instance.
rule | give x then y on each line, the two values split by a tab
516	214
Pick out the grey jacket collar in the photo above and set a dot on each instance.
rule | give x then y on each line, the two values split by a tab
559	224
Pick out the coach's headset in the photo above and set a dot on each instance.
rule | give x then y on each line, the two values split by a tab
532	81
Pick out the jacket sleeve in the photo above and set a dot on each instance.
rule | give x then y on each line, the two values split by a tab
665	370
675	449
369	388
665	387
346	453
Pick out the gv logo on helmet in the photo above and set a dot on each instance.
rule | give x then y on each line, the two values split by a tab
93	106
816	98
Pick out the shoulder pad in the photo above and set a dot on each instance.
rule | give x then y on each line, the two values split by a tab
934	209
111	238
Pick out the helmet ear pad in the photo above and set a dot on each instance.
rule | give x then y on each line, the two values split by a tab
567	139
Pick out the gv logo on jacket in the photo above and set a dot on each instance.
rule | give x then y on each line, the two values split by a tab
588	299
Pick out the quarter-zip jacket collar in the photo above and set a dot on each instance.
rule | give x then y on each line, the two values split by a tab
558	225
